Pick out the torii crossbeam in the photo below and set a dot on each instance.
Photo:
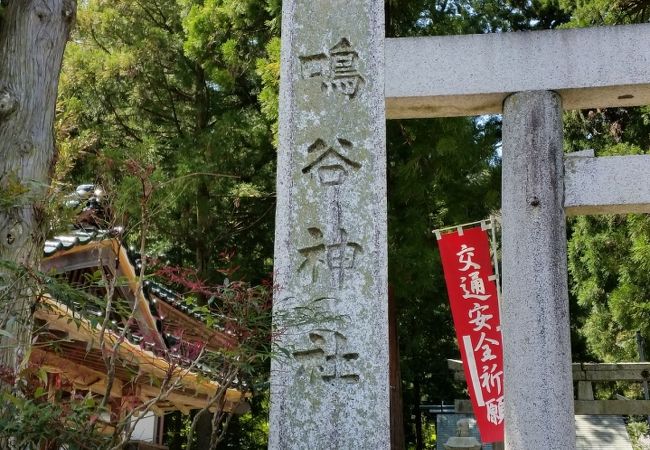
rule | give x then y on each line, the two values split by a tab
473	74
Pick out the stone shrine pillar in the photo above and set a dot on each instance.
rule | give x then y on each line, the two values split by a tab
538	382
331	390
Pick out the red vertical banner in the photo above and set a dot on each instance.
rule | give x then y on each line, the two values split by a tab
471	285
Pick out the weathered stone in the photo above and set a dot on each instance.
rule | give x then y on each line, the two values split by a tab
463	440
330	255
607	184
472	74
535	306
585	390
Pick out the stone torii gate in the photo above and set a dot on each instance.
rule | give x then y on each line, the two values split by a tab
332	391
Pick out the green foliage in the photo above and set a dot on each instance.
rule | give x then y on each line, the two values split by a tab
639	435
604	12
2	12
34	416
604	128
440	172
268	70
240	310
430	17
248	431
429	437
162	99
172	85
35	420
12	192
609	260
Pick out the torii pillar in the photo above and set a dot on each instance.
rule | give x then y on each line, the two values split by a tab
331	390
538	383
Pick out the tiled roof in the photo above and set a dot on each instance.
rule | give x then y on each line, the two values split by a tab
76	237
89	196
79	237
168	296
87	231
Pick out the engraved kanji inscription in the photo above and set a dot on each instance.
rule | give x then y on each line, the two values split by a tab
330	164
329	358
338	69
334	258
344	61
314	66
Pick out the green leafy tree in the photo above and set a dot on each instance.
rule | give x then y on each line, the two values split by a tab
172	84
604	12
440	172
190	88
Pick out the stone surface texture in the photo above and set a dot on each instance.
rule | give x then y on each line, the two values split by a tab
473	74
330	390
535	309
606	184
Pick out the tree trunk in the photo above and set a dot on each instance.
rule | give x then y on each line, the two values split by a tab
203	432
202	104
419	438
202	228
32	41
397	438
